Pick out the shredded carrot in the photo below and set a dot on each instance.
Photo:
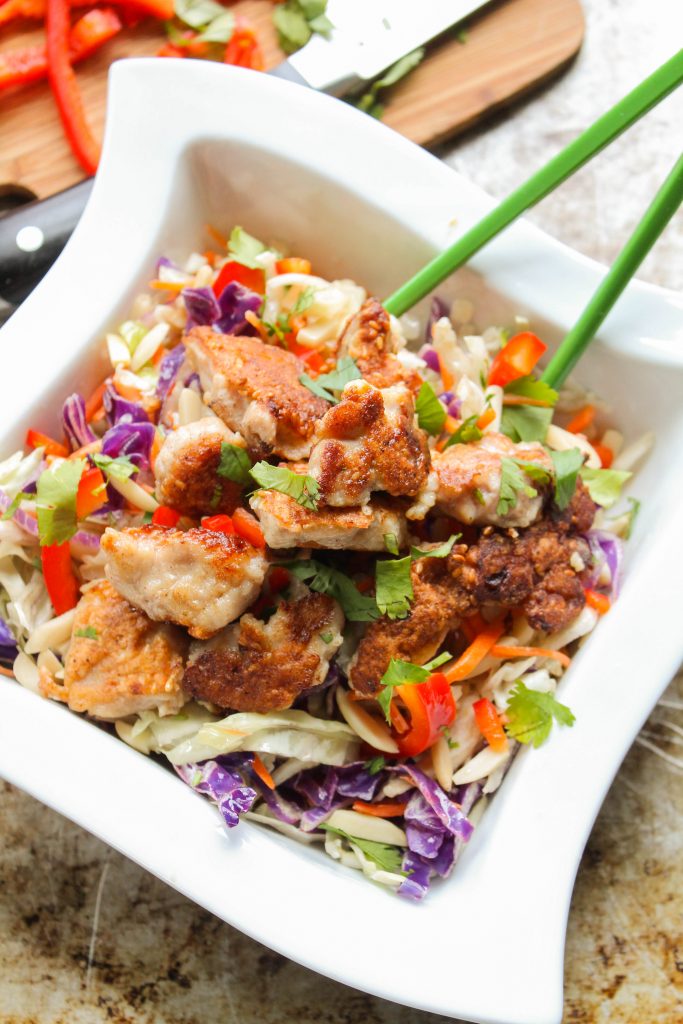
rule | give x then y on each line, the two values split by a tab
384	810
210	256
605	454
488	416
523	400
447	377
155	449
475	653
133	394
216	235
258	324
263	773
440	445
583	418
599	602
6	672
398	721
499	651
451	424
167	286
87	449
94	403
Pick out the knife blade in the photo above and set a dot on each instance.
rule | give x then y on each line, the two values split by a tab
366	38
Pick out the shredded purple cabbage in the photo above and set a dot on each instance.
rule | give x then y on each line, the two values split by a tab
437	309
356	781
221	780
425	831
8	645
450	816
606	548
234	301
431	358
202	307
133	440
168	370
74	422
119	409
283	809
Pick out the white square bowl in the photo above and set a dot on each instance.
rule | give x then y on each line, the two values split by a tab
189	143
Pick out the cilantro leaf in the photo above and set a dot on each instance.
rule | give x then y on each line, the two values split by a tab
297	20
384	855
327	638
405	673
393	587
431	414
336	380
369	101
604	485
513	482
302	488
120	468
440	552
529	387
304	301
16	502
243	247
391	543
567	465
530	715
525	422
56	501
235	465
375	765
467	431
324	579
89	633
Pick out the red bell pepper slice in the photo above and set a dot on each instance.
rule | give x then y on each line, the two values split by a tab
219	524
247	527
35	439
490	725
91	493
516	359
431	706
58	573
251	277
65	87
165	516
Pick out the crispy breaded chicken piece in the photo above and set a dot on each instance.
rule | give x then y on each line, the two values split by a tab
264	666
369	442
196	578
255	389
368	340
536	571
186	469
286	524
437	607
469	479
127	663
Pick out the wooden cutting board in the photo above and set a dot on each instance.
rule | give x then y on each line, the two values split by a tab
508	48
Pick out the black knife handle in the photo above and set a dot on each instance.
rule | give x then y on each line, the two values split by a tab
32	237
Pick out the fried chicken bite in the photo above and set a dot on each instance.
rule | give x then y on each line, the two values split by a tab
119	662
368	340
469	481
255	389
196	578
286	524
370	442
186	469
264	666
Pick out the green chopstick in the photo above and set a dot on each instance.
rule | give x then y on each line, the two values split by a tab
657	216
575	155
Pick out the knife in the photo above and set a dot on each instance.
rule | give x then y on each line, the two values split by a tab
366	39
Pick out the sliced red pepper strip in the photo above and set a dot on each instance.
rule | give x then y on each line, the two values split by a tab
65	87
476	652
165	516
490	725
35	439
34	10
431	706
91	493
58	573
219	524
247	526
516	359
251	277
